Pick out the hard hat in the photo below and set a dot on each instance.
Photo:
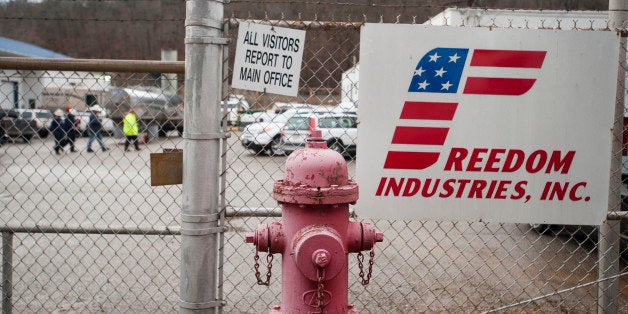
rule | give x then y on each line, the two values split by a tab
132	111
95	108
58	112
73	111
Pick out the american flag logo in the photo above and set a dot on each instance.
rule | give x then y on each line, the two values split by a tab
440	71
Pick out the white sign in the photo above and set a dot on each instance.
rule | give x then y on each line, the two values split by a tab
479	124
268	59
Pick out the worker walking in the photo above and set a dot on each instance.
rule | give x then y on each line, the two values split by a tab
95	127
56	128
70	127
131	130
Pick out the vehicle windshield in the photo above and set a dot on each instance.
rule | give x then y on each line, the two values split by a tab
328	123
27	115
44	114
337	122
298	123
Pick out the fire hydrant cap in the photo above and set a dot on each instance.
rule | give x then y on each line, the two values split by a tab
316	175
316	168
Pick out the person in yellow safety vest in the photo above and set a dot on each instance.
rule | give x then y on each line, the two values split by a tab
131	130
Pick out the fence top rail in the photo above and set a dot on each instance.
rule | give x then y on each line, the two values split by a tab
94	65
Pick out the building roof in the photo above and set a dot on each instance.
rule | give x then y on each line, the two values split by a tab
14	48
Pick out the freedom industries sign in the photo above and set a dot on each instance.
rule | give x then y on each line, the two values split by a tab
500	125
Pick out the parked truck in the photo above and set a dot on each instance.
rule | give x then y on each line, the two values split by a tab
77	97
158	112
12	126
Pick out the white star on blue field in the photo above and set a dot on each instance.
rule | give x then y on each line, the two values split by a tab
439	71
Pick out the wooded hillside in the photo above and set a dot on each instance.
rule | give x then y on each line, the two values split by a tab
139	29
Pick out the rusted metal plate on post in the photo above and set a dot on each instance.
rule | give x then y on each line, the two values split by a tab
166	168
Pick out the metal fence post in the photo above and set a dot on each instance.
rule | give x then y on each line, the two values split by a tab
201	165
223	179
608	249
7	272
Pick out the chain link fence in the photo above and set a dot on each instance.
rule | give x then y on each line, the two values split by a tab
86	232
422	266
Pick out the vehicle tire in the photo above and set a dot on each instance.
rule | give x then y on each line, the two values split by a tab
274	148
540	228
43	133
27	138
336	145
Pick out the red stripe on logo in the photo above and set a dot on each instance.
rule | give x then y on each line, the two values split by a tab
410	160
419	135
508	58
498	86
428	110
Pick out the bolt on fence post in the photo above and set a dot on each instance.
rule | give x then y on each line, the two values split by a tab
202	138
608	248
7	272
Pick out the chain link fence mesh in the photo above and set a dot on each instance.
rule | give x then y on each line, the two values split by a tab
90	234
422	266
88	203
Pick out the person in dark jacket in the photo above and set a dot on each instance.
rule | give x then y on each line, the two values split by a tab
56	128
70	127
95	130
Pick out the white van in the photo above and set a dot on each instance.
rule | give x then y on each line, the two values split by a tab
235	105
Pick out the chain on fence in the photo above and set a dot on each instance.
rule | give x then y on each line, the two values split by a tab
86	231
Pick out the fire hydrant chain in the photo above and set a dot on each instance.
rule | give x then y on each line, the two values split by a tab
321	292
361	266
258	275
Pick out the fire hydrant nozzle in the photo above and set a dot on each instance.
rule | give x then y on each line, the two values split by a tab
249	237
267	237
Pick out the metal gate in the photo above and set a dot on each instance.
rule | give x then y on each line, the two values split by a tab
423	266
86	231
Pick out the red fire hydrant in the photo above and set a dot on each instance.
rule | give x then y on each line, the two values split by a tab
315	235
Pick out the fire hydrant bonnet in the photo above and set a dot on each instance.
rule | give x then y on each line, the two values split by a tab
316	175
